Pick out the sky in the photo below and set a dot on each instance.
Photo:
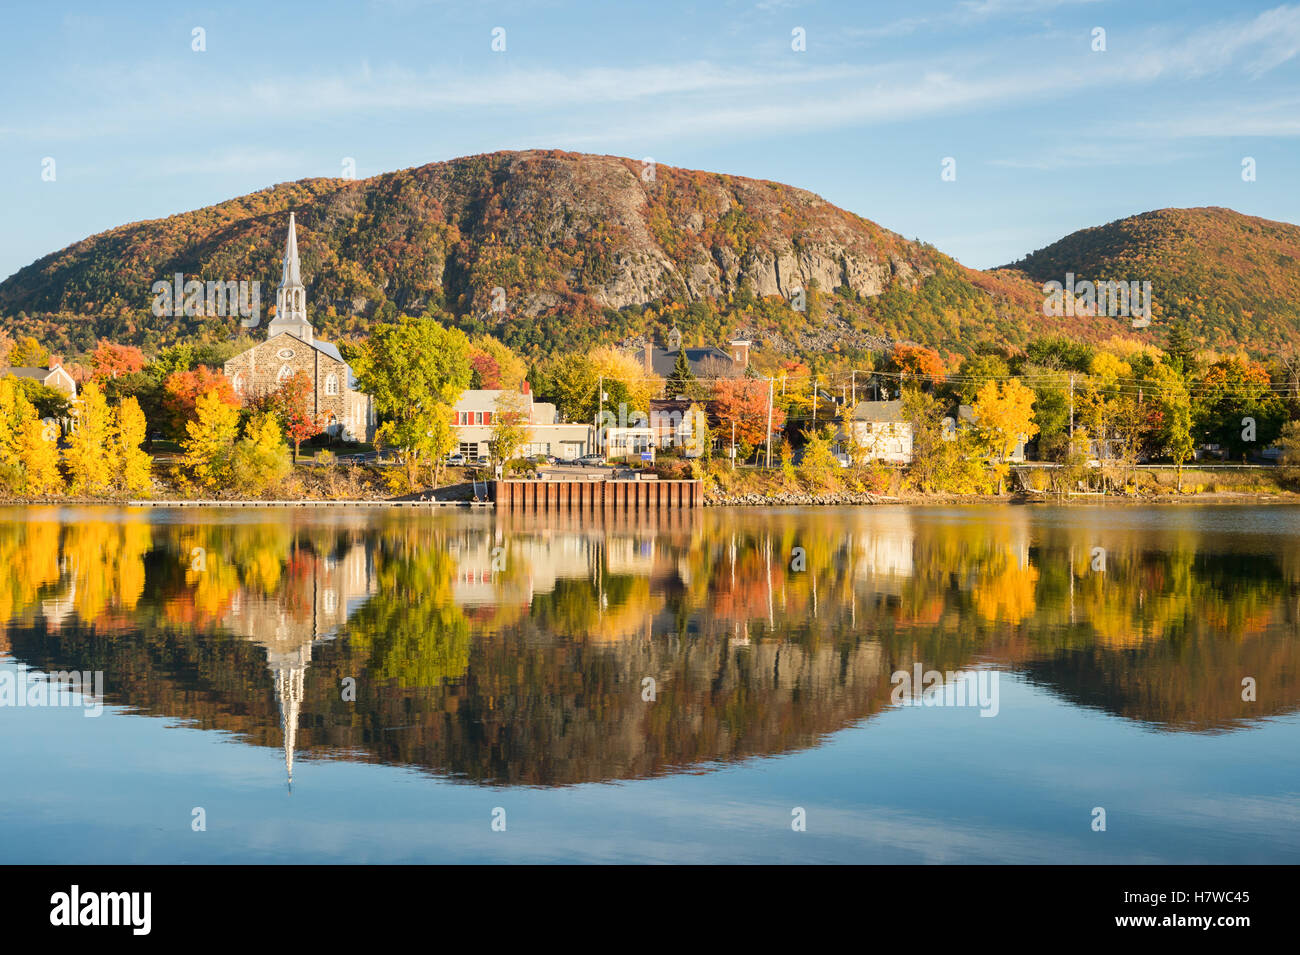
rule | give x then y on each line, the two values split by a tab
110	115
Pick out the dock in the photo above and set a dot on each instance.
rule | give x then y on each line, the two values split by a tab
552	495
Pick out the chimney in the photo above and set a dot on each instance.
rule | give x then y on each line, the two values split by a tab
55	362
648	361
740	352
526	389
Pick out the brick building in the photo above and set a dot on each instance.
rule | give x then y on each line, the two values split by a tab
342	410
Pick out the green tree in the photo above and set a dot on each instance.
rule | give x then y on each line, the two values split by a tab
415	370
1175	416
682	380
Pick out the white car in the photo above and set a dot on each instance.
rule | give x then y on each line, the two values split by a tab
456	460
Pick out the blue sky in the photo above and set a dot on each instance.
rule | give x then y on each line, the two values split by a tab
1048	135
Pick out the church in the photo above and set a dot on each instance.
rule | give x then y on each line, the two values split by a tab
342	410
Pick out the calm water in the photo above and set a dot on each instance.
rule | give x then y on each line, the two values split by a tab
379	686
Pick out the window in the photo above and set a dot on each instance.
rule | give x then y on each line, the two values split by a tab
487	417
332	385
285	373
238	383
469	449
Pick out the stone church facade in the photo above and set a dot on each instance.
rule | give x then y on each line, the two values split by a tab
291	346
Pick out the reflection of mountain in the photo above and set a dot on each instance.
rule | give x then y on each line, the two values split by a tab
514	650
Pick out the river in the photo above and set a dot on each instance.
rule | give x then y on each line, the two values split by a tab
1082	684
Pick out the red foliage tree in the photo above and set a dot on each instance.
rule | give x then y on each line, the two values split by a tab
291	404
486	373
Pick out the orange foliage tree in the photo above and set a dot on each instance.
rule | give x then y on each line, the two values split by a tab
917	361
743	401
183	388
109	360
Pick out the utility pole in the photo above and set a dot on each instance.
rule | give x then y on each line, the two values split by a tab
771	386
854	380
600	406
733	444
814	384
1071	412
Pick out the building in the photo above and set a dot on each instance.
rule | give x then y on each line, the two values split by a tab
475	413
881	432
56	377
709	362
337	403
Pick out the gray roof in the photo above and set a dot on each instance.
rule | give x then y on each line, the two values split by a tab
40	374
879	411
664	360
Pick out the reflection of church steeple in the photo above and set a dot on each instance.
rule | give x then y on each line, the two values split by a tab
289	671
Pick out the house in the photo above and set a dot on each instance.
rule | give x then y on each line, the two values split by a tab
673	426
881	432
56	377
708	362
337	403
474	414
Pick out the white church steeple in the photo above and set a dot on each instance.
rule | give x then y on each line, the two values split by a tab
291	296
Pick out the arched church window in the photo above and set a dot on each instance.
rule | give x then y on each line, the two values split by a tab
332	385
285	373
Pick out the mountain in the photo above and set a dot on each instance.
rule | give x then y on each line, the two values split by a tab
1234	278
586	248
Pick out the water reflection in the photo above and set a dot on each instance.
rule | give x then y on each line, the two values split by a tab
514	649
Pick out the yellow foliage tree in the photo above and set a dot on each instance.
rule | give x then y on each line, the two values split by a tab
209	447
15	410
615	365
261	459
132	464
88	458
1004	415
39	453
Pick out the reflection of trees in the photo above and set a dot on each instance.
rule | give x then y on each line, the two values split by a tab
410	631
529	670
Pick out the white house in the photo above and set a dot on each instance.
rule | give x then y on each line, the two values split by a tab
55	377
881	432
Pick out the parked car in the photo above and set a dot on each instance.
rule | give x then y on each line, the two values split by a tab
483	461
456	460
591	460
543	459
